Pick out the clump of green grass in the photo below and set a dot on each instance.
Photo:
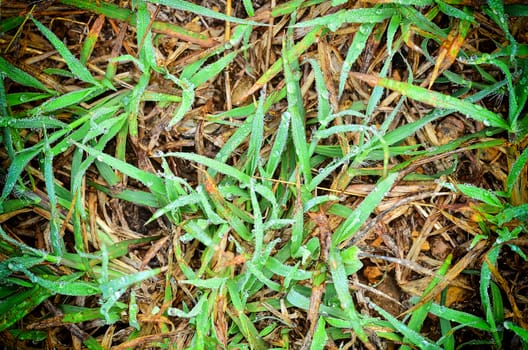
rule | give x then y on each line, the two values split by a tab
266	231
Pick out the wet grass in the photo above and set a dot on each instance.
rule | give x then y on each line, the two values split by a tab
148	201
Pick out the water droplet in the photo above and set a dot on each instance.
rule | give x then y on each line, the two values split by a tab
100	158
158	153
334	26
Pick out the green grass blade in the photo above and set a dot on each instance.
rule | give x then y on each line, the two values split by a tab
203	11
461	317
480	194
187	99
213	164
70	99
277	150
210	71
18	98
296	111
439	100
57	244
354	51
21	77
76	67
521	332
485	281
324	110
516	170
352	224
19	305
15	169
150	180
144	35
257	138
413	337
182	201
419	315
340	279
360	15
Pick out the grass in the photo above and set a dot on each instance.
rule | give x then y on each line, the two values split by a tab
142	207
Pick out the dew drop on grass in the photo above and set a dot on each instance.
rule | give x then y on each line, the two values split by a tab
158	153
333	26
100	158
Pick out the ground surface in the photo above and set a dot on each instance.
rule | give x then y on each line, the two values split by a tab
402	239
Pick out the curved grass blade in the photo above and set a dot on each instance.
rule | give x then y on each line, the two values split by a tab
355	49
437	99
361	15
44	122
521	332
21	77
203	11
19	305
73	63
69	99
214	164
340	279
257	138
352	224
148	179
278	145
297	113
412	336
15	169
418	316
18	98
516	171
144	35
485	282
